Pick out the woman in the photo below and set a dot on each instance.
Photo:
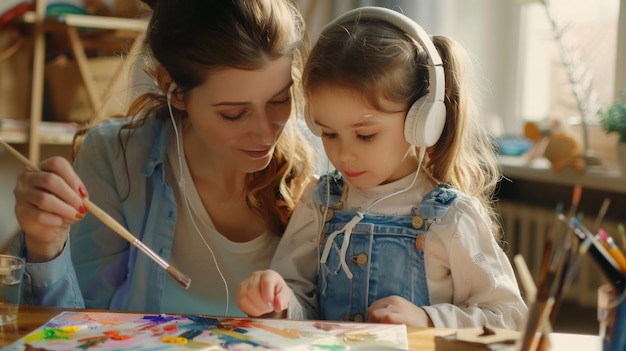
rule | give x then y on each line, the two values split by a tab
206	171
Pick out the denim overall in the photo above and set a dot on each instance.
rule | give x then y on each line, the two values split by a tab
365	257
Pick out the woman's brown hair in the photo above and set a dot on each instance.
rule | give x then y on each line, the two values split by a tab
192	38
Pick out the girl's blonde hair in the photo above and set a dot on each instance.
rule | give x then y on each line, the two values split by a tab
379	61
193	38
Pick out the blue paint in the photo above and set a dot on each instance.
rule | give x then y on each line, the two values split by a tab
190	334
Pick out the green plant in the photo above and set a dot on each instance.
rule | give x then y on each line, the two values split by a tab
614	119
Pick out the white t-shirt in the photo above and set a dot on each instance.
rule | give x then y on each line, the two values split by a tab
234	261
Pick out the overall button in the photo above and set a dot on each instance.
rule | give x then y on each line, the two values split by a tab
360	259
322	236
358	317
417	222
330	214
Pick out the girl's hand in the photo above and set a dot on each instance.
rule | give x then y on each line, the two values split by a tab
47	202
398	310
262	293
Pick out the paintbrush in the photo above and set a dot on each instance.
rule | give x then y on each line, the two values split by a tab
548	246
113	224
540	303
622	234
530	290
576	194
526	279
601	214
561	268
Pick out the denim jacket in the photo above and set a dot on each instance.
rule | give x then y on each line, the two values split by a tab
97	268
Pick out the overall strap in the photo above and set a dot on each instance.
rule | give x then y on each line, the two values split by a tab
436	203
329	189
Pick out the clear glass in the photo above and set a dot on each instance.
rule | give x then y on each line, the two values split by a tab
11	272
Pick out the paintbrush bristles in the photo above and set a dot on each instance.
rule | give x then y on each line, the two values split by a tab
179	277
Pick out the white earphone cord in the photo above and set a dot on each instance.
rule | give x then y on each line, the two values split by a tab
422	153
183	187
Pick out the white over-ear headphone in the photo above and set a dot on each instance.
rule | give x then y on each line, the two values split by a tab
426	118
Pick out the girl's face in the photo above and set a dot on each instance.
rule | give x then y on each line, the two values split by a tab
238	115
365	144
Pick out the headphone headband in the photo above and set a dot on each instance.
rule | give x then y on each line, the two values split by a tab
410	27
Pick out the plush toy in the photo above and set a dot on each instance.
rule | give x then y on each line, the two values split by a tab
553	142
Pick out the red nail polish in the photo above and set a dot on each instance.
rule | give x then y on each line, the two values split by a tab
82	209
82	192
79	216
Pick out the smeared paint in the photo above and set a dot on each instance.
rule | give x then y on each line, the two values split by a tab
229	341
327	326
160	319
231	334
288	333
203	320
83	331
190	334
328	347
47	333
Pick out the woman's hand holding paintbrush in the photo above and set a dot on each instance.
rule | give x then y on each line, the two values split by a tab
59	199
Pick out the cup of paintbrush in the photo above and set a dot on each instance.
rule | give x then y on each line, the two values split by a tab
612	318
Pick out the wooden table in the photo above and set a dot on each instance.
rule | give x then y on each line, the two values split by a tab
420	339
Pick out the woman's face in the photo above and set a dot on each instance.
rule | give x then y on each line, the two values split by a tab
238	115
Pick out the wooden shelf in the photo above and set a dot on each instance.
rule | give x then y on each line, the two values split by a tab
89	21
50	133
64	30
599	178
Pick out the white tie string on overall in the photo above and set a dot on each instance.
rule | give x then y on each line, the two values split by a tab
347	229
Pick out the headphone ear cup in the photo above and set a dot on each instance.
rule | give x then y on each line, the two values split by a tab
314	128
424	122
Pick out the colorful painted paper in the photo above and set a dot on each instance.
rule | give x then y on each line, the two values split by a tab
99	331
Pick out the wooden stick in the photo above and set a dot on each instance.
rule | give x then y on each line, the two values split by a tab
112	224
576	193
530	289
605	206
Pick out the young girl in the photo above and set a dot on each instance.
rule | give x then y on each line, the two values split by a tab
403	231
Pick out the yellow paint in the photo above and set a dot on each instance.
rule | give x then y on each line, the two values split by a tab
288	333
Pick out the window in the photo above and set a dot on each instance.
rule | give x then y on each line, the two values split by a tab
588	44
589	38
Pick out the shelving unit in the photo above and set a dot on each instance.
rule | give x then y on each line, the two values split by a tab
65	29
598	178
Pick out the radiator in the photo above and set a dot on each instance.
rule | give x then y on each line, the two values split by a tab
525	229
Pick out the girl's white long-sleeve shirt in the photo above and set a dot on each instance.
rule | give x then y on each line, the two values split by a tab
470	278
